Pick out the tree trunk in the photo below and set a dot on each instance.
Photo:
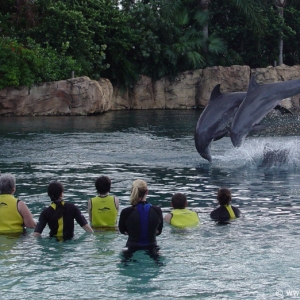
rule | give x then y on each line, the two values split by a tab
204	4
280	58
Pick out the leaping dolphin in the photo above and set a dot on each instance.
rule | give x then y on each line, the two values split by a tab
217	114
259	101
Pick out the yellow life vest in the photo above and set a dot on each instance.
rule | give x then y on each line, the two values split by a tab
231	212
10	218
60	229
103	211
184	218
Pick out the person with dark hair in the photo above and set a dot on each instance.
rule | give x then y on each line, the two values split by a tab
60	215
225	211
104	208
15	216
180	216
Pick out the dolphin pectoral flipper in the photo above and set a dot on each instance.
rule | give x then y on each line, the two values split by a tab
258	127
220	134
283	110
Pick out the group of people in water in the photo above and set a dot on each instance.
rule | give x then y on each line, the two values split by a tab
141	221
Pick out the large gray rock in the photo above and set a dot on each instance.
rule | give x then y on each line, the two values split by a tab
77	96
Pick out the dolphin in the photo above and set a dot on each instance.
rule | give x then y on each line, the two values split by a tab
212	122
273	157
259	101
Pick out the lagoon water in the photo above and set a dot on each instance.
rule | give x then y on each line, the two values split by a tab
255	257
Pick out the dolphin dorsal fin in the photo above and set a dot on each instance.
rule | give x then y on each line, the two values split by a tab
252	84
215	92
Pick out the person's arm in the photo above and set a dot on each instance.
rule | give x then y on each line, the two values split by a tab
122	221
40	225
161	224
168	218
117	203
87	228
81	220
90	210
237	212
26	215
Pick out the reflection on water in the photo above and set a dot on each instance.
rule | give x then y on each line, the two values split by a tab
253	258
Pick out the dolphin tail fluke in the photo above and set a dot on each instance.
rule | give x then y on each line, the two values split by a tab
220	134
283	110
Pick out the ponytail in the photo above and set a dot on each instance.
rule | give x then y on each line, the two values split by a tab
55	189
138	191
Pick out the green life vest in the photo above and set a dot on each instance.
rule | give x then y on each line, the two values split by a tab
184	218
103	211
10	219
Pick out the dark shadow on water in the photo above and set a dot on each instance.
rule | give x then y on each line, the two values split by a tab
139	256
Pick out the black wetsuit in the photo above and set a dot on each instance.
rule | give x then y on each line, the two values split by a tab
71	212
221	214
142	223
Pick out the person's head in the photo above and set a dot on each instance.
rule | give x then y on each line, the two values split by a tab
102	184
55	191
138	191
7	184
224	196
179	201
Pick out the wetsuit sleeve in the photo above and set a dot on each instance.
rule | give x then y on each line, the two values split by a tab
79	217
42	222
122	221
237	212
160	215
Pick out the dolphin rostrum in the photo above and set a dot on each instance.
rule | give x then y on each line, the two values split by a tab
215	117
259	101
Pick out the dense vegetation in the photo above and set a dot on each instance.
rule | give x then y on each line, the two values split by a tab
44	40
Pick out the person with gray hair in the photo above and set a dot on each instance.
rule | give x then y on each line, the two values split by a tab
15	216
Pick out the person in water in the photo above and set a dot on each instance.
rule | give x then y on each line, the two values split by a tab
142	222
225	211
180	216
103	209
15	216
60	215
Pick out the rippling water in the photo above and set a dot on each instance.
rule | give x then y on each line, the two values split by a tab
256	257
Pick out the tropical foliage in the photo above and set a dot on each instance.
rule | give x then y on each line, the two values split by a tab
44	40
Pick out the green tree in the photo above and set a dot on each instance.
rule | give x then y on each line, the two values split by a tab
172	36
25	65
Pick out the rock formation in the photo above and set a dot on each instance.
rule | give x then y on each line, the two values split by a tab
77	96
191	89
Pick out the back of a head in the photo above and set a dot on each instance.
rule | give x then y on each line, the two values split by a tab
103	184
224	196
139	189
55	189
7	183
179	201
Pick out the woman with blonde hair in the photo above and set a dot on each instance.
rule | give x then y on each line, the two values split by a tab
142	222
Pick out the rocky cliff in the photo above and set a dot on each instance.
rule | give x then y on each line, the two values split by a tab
191	89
